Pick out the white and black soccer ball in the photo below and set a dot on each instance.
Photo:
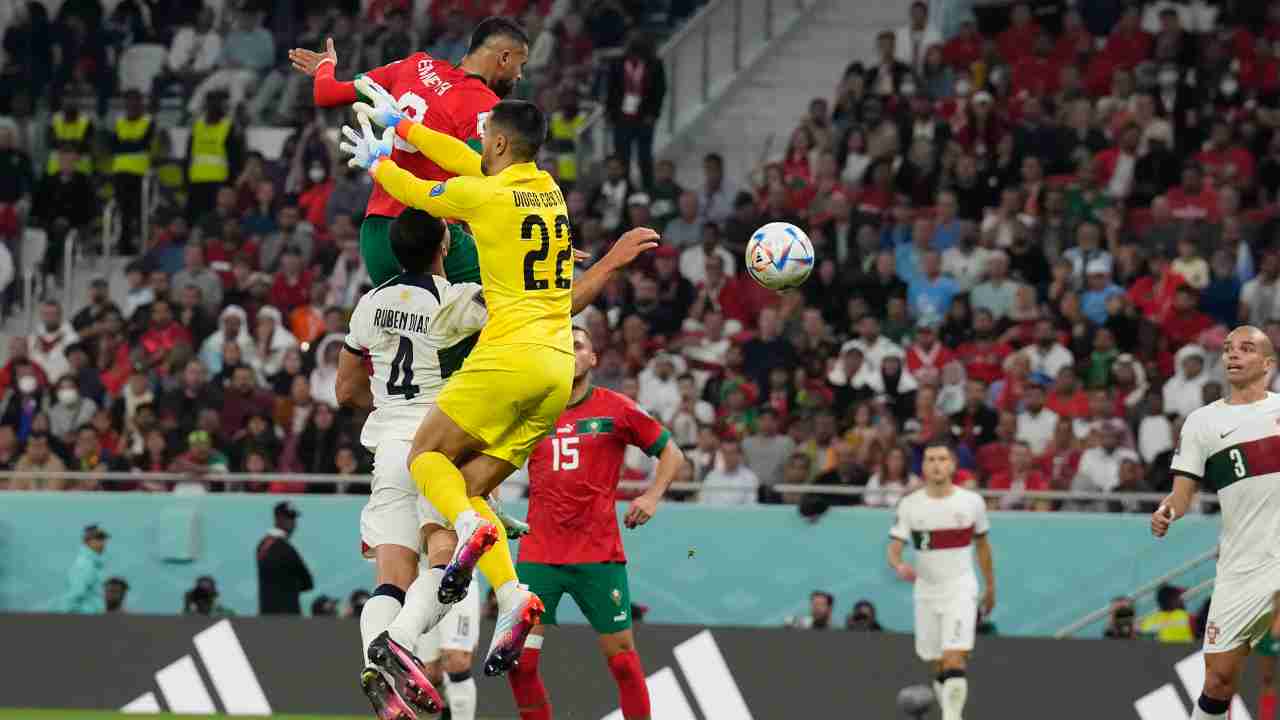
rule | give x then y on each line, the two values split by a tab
916	700
779	256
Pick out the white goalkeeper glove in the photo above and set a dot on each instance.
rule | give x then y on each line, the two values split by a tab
383	110
366	148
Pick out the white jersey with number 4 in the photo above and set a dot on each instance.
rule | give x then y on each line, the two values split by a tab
1234	450
942	532
415	329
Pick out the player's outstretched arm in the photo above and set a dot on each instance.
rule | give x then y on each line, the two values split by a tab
451	154
644	507
632	244
457	198
326	90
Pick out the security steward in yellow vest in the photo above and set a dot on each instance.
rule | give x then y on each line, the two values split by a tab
566	121
130	161
70	128
212	156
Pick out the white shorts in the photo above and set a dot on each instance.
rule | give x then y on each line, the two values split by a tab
945	625
396	510
458	630
1239	614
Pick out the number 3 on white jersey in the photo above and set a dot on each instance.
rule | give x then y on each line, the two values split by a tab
564	453
413	107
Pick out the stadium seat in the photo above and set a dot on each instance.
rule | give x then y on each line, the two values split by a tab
139	66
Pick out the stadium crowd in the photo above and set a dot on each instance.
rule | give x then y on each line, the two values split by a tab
1030	238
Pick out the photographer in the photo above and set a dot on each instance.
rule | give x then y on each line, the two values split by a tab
1121	625
821	604
863	618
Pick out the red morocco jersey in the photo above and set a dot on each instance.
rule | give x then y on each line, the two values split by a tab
442	97
573	479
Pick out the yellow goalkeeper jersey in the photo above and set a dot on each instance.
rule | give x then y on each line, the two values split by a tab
521	229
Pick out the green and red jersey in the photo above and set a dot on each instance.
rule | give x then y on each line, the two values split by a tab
573	479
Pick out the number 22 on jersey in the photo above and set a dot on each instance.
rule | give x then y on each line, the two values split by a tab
534	228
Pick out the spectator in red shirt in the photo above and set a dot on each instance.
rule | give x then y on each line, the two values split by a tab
292	283
1128	44
1186	322
983	357
315	199
926	356
1035	74
1224	158
963	50
1260	72
1067	398
1073	39
163	336
1021	475
1018	39
1061	457
1153	292
1193	199
241	399
993	457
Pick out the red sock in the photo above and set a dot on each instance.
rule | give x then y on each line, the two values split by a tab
1267	705
633	694
527	688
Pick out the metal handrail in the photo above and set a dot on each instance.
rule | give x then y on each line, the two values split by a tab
1141	591
70	245
328	479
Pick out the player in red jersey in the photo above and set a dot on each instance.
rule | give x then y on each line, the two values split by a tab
452	99
574	545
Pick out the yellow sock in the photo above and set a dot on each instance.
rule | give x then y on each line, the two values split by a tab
496	564
442	483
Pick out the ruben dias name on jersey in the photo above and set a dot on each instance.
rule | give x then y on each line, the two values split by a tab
413	328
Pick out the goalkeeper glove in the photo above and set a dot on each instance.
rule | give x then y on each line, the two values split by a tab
382	108
366	148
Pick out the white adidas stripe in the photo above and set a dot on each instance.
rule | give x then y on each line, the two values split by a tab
185	692
1163	703
708	676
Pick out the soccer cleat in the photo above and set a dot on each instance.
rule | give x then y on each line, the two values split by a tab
387	705
407	672
475	536
512	629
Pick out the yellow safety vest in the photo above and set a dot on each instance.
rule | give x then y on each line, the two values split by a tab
209	162
133	156
69	132
564	142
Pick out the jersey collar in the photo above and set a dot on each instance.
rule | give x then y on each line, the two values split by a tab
590	390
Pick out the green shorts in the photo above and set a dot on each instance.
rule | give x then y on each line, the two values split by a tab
462	264
599	589
1269	647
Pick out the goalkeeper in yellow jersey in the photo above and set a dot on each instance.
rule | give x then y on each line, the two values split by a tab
517	380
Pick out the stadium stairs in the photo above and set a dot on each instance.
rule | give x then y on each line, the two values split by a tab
751	114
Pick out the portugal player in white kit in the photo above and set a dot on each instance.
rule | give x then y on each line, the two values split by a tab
1232	447
943	522
414	329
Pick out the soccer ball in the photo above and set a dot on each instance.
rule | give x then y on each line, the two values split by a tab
779	256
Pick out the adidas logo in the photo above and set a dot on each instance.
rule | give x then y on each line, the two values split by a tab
228	668
707	675
1164	703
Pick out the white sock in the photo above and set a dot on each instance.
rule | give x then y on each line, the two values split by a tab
421	611
377	614
1198	713
507	594
954	692
937	692
461	696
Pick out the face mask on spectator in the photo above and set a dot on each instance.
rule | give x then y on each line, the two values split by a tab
316	173
67	396
1168	78
1229	86
27	384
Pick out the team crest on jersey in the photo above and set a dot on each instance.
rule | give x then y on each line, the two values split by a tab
438	190
1211	632
617	597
